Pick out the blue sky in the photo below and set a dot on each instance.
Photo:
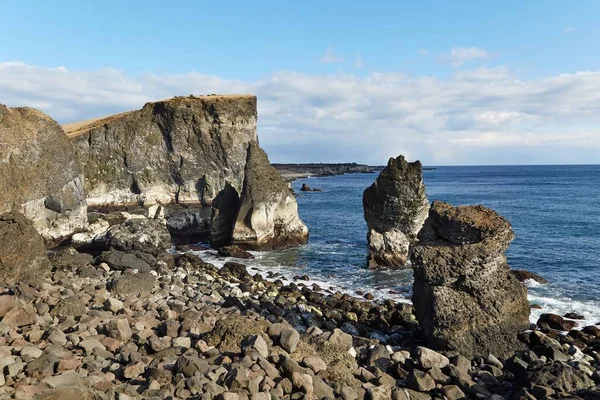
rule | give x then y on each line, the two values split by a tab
465	82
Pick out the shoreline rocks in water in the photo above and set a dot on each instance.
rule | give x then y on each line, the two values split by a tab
292	172
465	296
40	175
395	207
268	213
182	150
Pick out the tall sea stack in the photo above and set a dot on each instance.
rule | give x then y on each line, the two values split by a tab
464	294
183	150
395	207
268	212
39	173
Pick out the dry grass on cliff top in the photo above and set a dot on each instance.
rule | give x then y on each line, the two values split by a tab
77	128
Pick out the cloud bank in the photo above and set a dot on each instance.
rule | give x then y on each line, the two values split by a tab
481	116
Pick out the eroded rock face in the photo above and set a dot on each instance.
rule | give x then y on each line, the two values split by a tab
22	250
268	213
181	150
464	294
39	173
395	207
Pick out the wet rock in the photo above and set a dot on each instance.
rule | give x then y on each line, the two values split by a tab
234	251
395	207
22	249
524	276
557	322
268	213
465	297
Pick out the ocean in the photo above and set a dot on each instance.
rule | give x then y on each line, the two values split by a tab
554	211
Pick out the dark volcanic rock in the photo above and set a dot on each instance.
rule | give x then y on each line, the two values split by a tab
224	210
556	322
120	261
39	174
305	188
464	294
268	213
524	276
181	150
234	251
22	250
189	225
395	208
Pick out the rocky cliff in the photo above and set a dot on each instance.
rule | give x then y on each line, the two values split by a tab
182	150
395	207
39	173
291	172
464	294
268	212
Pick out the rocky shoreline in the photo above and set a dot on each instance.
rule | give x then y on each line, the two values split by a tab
293	172
180	328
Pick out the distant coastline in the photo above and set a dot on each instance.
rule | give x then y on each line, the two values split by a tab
292	172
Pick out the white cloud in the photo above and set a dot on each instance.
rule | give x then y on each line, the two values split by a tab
460	55
330	57
358	62
475	116
570	29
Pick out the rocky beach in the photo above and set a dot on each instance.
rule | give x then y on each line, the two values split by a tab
113	301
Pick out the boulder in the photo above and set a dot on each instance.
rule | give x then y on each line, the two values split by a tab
464	294
141	234
395	207
268	213
524	276
181	150
305	188
189	225
22	251
39	173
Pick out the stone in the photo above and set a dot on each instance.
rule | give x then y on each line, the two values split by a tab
255	343
134	370
132	284
113	305
453	392
464	295
189	365
121	261
189	225
22	250
67	393
42	366
315	363
558	376
182	150
119	329
7	303
40	176
395	207
420	381
20	316
224	212
71	306
288	339
267	217
556	322
234	251
428	358
339	338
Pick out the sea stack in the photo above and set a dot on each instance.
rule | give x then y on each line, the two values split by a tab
267	217
39	173
464	294
395	207
183	150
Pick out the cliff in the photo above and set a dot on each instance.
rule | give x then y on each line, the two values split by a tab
39	173
182	150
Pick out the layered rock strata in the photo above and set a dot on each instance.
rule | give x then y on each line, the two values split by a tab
39	173
267	217
464	294
395	207
182	150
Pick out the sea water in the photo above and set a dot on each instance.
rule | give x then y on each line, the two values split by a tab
554	211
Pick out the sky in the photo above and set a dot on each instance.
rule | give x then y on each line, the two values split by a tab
449	83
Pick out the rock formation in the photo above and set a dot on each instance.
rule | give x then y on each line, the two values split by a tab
22	250
181	150
39	173
395	207
224	212
268	213
464	294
